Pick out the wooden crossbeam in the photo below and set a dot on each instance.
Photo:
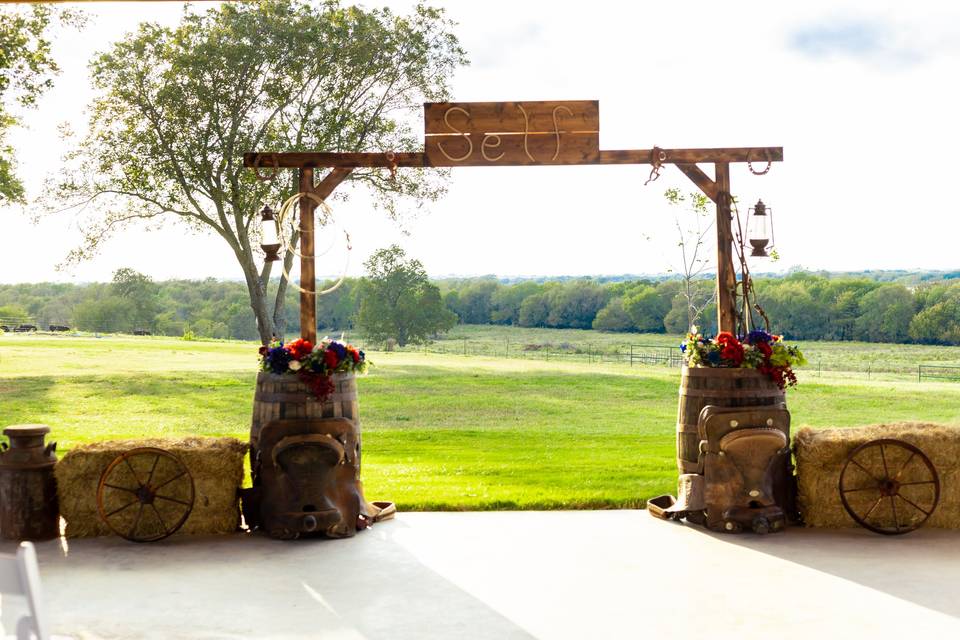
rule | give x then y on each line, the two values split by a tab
699	178
300	160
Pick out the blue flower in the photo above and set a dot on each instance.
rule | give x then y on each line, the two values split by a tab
278	359
713	357
339	349
683	347
758	335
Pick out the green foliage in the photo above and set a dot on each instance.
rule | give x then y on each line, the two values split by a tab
12	314
177	107
884	314
26	73
142	294
937	324
802	306
399	302
107	314
613	317
646	309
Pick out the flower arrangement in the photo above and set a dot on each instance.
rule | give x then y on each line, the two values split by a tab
314	364
757	350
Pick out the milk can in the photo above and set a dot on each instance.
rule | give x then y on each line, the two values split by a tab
28	489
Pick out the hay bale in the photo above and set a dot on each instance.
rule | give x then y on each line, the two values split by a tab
821	454
216	465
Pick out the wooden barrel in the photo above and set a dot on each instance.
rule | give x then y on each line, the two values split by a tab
700	386
286	396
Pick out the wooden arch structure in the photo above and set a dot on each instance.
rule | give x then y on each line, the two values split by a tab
516	134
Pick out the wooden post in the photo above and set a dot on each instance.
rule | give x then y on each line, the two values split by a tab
308	280
726	276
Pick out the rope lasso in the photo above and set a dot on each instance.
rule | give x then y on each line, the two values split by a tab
286	214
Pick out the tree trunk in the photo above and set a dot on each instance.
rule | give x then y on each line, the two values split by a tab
258	298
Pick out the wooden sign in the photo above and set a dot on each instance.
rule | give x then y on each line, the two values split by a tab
459	134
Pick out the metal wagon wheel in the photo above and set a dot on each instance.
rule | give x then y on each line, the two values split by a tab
889	486
145	494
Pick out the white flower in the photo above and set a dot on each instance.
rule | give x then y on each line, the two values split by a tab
294	365
693	329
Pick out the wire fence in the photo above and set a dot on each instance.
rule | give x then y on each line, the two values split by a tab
652	355
667	356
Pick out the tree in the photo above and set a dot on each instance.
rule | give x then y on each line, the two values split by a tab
938	324
176	109
506	301
885	314
141	292
647	309
398	301
692	232
110	314
26	72
613	317
575	304
535	310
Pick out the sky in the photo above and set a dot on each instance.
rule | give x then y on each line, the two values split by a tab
862	96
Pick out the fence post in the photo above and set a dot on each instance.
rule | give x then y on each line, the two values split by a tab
919	375
631	355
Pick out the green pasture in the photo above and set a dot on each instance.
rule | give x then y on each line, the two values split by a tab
440	431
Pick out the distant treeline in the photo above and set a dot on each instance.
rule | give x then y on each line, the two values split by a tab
800	305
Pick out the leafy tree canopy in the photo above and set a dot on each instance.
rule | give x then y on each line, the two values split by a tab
176	109
399	302
27	68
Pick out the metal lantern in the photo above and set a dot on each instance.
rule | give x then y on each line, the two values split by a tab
269	238
760	229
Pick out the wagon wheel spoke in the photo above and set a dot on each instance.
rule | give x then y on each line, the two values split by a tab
129	504
914	504
859	489
159	517
866	471
875	505
156	459
169	480
896	517
136	522
116	486
183	502
908	484
913	454
886	470
136	478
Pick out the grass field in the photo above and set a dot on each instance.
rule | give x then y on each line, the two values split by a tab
440	431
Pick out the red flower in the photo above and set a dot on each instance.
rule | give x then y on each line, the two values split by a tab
300	348
330	359
733	352
764	348
320	385
263	351
355	355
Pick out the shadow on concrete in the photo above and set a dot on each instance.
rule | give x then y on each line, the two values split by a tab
247	585
922	567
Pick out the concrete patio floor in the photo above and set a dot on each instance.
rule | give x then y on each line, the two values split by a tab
599	574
